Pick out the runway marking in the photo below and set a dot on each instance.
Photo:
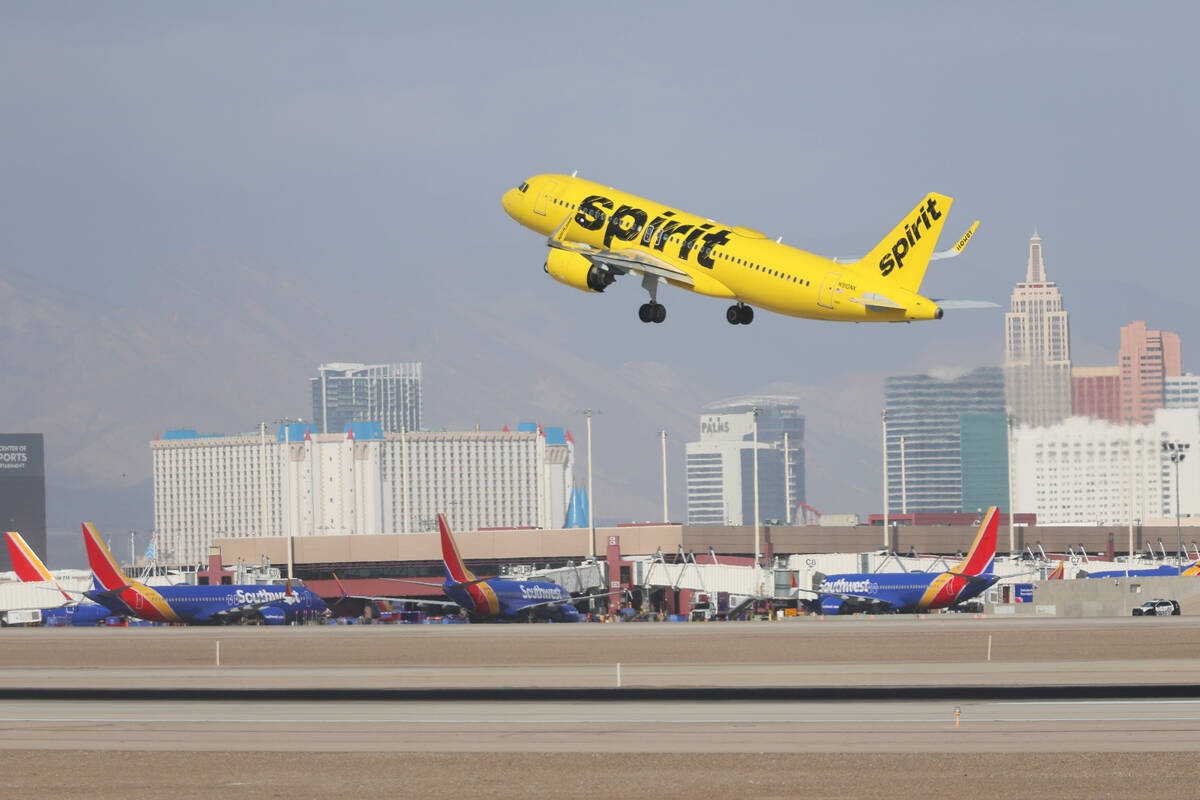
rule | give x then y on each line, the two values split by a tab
975	720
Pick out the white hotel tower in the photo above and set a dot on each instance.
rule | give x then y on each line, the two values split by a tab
1037	361
360	481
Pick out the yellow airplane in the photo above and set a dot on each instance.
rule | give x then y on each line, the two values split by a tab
596	233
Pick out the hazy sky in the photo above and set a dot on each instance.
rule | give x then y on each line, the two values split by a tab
368	145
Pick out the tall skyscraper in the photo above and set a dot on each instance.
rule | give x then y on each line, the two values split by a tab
389	394
924	438
720	467
23	490
1146	360
1037	361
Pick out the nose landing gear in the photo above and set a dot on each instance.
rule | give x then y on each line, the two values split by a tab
740	314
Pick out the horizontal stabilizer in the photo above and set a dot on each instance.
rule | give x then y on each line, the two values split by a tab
960	305
876	302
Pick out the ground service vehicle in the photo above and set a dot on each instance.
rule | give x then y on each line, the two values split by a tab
1157	608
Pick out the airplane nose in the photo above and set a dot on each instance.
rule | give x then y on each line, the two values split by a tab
508	200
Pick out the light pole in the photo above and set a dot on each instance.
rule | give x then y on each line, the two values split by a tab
757	574
588	412
663	435
1008	421
1176	451
883	416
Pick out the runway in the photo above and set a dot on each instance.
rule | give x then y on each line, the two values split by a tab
610	727
548	709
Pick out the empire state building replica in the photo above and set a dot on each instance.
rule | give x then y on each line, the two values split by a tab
1037	347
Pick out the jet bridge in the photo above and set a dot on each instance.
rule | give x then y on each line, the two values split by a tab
586	577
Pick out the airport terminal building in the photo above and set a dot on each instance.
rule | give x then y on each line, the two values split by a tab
23	490
360	481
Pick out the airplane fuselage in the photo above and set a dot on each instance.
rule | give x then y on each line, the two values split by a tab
902	591
728	261
501	598
206	605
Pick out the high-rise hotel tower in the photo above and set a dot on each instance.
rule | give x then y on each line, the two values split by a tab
1037	361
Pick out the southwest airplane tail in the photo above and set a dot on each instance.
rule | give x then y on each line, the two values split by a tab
452	561
982	554
103	565
27	565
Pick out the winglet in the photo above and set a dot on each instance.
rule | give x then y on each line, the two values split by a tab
1057	574
959	246
341	588
103	565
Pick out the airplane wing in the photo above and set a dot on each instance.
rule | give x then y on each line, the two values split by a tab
226	614
381	598
620	262
424	583
574	599
859	598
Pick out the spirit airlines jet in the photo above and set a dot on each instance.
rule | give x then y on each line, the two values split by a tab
596	234
914	591
30	569
493	598
195	605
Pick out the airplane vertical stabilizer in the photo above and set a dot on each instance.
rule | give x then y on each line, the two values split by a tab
103	565
25	562
982	554
452	562
904	254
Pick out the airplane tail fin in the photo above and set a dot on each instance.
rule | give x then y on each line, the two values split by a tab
1057	574
982	554
26	563
103	565
452	562
904	254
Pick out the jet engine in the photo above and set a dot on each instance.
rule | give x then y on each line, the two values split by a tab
575	270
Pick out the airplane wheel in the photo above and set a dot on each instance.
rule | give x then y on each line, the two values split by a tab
660	312
733	315
745	315
645	313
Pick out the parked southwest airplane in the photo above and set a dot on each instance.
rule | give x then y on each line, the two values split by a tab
1163	570
492	598
30	569
913	591
194	605
596	234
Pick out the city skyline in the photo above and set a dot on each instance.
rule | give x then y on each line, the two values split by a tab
190	227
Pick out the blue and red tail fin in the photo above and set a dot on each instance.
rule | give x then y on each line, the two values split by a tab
982	554
452	561
26	564
103	565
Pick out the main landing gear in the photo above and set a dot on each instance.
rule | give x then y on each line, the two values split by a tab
653	311
740	314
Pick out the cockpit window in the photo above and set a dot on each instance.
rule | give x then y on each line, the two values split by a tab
523	188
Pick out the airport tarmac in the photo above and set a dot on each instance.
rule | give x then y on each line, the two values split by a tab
300	745
947	650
